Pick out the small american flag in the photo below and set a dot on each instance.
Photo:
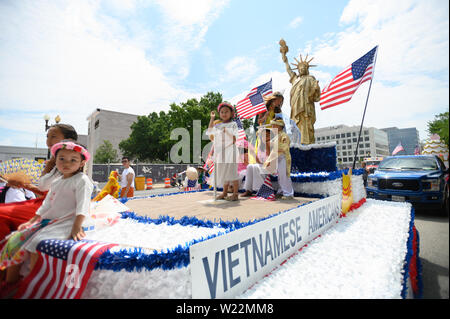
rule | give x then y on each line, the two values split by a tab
266	191
62	270
241	132
398	148
345	84
191	185
253	103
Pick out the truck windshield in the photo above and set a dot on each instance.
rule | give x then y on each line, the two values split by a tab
415	163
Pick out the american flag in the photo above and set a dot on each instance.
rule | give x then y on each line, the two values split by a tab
191	185
241	132
398	148
254	101
62	270
266	191
345	84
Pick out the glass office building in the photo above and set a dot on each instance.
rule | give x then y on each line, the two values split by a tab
408	137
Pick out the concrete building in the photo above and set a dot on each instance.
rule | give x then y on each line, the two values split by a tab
373	142
408	137
33	153
12	152
107	125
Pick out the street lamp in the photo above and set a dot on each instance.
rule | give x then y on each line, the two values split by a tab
46	119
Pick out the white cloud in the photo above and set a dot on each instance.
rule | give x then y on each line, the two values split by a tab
70	58
295	22
240	69
184	27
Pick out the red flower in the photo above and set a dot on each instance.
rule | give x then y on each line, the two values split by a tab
77	148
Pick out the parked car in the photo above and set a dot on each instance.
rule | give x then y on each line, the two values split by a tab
419	179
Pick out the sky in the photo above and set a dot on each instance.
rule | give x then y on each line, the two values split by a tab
68	58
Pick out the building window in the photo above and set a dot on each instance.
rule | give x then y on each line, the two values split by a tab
348	135
96	124
366	138
338	135
366	132
349	140
368	145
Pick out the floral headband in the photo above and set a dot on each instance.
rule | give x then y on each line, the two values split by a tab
227	105
71	146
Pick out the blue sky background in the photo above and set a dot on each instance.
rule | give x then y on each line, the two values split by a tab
70	57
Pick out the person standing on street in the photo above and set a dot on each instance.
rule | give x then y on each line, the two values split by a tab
127	179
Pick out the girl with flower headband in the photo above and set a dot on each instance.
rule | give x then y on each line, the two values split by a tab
14	214
61	215
224	134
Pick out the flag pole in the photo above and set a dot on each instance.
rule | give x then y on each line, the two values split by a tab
364	113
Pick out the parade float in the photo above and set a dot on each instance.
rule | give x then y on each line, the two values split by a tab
185	245
326	242
434	146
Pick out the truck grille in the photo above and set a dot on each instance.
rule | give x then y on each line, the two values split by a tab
398	184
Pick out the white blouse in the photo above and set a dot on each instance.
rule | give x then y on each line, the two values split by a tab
45	181
225	150
67	196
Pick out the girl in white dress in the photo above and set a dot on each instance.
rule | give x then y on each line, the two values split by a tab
62	213
224	133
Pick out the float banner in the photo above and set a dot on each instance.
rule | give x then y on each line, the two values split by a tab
227	265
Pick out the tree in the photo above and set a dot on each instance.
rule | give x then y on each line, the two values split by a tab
440	126
105	153
150	135
149	138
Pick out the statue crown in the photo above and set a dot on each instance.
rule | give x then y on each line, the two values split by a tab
305	61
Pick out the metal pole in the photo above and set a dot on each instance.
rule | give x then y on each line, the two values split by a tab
215	180
364	114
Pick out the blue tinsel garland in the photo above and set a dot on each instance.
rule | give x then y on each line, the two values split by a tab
136	259
321	159
298	177
409	254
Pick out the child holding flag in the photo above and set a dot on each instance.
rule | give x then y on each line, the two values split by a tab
224	134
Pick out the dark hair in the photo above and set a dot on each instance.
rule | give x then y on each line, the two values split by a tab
275	96
126	158
67	130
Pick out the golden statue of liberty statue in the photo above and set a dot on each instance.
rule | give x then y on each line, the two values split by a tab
304	92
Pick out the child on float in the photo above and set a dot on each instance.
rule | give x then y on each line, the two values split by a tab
14	214
279	160
255	174
224	134
61	215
